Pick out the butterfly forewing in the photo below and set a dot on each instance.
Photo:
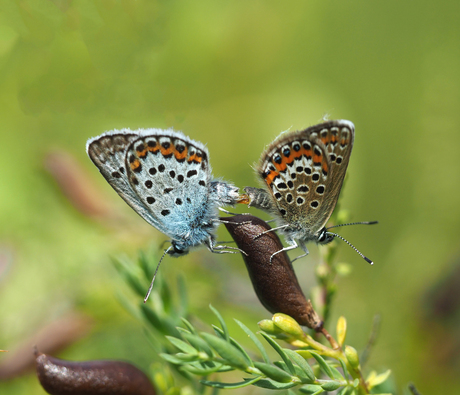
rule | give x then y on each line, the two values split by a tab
171	176
304	172
108	152
338	137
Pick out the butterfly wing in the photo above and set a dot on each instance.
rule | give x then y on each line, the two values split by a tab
108	152
304	172
338	137
170	174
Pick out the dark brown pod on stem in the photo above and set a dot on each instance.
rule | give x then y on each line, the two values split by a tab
61	377
275	283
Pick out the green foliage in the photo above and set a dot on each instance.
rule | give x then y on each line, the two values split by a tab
307	365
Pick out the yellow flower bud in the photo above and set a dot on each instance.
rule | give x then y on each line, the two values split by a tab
341	330
352	357
269	327
288	325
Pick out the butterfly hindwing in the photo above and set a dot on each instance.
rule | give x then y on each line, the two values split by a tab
304	172
171	175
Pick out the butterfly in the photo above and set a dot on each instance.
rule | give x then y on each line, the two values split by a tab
303	172
166	178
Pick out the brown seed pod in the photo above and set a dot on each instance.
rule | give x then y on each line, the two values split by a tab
61	377
275	283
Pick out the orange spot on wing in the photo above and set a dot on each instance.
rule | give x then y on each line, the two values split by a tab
325	140
269	179
289	159
166	151
297	154
306	152
194	158
333	138
181	155
325	167
153	149
281	166
317	158
142	154
135	164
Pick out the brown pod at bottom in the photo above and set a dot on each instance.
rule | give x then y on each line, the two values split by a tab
61	377
275	283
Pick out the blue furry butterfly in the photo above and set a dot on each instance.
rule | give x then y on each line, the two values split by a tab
166	178
303	172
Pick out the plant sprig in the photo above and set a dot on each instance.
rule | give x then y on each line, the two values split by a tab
204	354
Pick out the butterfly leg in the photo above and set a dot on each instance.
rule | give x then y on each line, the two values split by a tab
304	248
291	247
271	230
222	249
222	221
230	213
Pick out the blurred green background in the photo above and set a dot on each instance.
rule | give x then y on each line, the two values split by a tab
232	74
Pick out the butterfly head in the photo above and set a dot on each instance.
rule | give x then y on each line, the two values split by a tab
177	250
324	237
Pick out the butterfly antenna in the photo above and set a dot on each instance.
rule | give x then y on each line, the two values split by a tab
155	274
355	223
352	246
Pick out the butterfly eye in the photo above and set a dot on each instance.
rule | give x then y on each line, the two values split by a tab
176	250
324	237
